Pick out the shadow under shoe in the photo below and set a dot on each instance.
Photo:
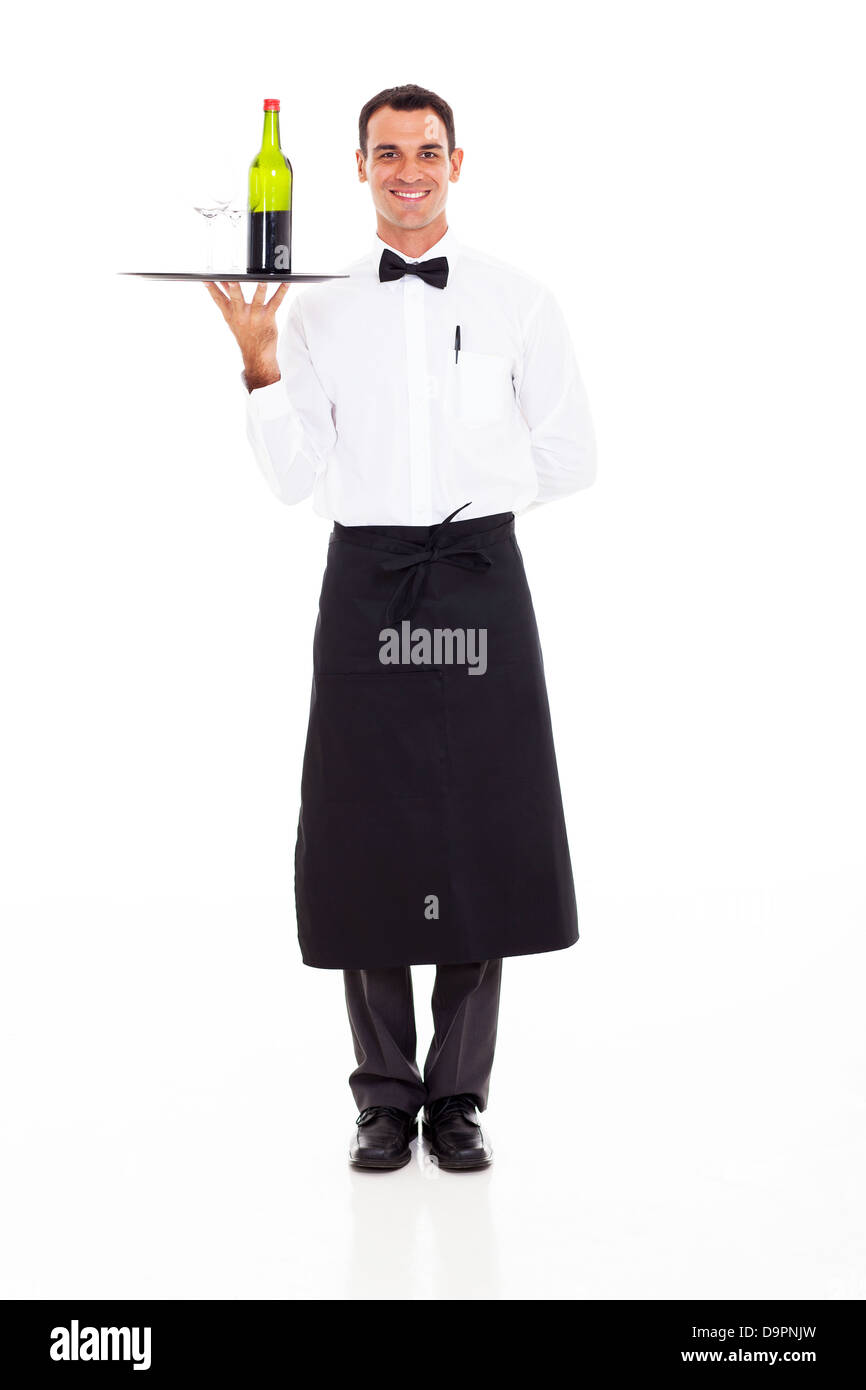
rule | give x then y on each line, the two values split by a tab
455	1135
382	1138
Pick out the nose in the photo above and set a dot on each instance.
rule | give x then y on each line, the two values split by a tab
412	172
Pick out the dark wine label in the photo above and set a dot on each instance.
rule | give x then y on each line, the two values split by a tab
269	241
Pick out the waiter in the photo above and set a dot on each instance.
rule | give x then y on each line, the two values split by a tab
423	402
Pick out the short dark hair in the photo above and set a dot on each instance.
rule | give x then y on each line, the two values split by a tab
406	98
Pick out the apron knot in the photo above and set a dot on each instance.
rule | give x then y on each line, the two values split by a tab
405	595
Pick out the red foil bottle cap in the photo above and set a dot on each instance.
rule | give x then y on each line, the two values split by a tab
271	104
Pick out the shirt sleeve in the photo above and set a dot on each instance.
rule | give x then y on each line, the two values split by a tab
290	423
553	402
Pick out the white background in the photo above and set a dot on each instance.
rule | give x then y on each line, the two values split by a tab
677	1103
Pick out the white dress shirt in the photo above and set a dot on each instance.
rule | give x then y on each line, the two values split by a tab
374	418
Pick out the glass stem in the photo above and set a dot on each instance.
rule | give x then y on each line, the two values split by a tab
210	264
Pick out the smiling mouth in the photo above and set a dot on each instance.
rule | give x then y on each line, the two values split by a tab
406	197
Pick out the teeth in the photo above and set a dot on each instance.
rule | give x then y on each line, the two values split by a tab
413	196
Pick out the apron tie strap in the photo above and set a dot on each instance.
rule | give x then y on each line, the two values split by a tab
406	593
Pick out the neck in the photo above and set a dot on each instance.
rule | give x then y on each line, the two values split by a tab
412	241
271	132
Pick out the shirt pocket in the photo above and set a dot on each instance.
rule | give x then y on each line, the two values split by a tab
483	392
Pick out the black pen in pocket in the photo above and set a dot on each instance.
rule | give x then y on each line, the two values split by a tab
457	342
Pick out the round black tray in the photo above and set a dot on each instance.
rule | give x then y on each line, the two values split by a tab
229	276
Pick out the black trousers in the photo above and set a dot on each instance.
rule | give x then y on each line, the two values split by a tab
465	1005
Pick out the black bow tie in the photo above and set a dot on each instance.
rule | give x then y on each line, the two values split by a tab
435	271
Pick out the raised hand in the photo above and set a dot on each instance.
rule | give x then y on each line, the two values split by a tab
254	326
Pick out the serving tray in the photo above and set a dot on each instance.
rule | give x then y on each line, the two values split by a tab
229	276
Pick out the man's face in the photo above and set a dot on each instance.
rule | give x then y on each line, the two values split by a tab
407	166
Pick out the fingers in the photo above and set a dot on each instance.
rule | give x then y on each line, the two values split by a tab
235	292
276	299
234	298
219	299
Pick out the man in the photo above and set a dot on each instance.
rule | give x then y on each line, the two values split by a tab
422	402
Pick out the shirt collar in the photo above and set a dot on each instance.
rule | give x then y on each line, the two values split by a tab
445	246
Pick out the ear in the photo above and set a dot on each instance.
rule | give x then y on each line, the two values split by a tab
362	166
456	164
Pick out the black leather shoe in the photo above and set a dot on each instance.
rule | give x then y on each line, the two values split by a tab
455	1135
382	1138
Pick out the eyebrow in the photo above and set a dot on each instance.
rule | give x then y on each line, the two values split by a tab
431	145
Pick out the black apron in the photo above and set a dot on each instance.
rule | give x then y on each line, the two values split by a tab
431	827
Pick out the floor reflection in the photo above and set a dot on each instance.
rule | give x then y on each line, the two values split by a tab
422	1233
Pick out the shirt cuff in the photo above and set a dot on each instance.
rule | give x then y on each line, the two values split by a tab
267	402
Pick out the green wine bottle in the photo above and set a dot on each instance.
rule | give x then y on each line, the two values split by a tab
269	226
